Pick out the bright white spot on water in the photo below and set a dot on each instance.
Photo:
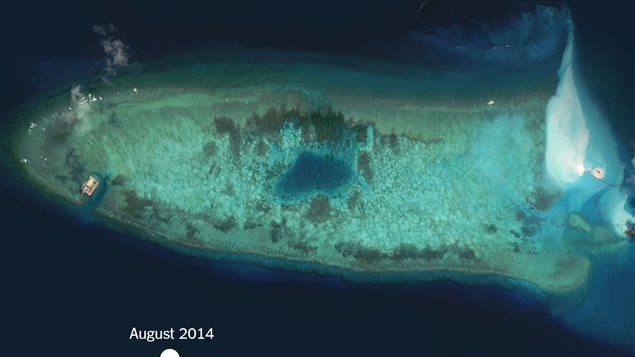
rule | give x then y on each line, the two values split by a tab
169	353
135	90
24	161
491	102
33	125
579	169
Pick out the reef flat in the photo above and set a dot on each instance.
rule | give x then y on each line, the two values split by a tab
371	167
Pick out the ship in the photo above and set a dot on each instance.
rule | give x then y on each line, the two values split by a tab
89	186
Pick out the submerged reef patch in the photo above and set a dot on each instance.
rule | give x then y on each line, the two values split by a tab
319	209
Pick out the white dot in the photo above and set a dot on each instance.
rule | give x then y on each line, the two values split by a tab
169	353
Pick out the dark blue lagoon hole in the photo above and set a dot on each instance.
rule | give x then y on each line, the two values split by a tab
313	173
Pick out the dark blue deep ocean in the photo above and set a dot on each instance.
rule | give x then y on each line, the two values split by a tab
72	288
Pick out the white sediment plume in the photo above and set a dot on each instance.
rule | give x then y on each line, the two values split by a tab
79	103
78	114
533	36
116	51
567	133
631	179
613	203
578	144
